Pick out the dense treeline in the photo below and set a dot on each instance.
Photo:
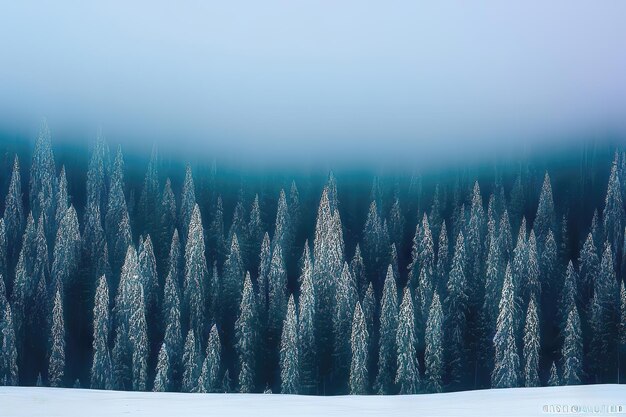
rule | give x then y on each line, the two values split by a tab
416	286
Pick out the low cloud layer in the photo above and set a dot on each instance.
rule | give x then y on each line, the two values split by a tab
305	80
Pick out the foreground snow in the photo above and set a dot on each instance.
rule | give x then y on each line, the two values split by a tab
50	402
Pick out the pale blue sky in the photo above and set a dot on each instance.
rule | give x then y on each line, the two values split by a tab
296	78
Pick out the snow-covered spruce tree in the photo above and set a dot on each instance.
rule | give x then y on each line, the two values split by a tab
359	341
62	199
345	300
209	377
493	289
442	259
282	226
369	310
435	212
117	219
232	285
138	335
150	281
531	284
98	173
187	203
572	349
255	233
506	373
545	220
43	182
613	214
93	234
604	317
289	353
548	266
407	375
247	338
358	271
277	300
306	326
101	368
191	364
24	283
14	211
265	260
387	340
433	357
122	312
56	366
422	255
167	223
589	264
171	288
455	310
531	345
505	239
569	292
196	274
554	380
239	227
8	349
375	243
474	255
217	244
328	253
163	372
173	338
66	250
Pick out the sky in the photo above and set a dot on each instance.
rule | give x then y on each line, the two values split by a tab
305	80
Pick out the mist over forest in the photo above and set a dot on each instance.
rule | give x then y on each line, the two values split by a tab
138	270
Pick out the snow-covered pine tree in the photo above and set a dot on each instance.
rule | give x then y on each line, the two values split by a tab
232	285
604	316
43	182
196	274
171	289
62	199
14	211
173	338
507	364
328	253
433	357
358	271
306	326
255	233
239	227
294	212
247	338
375	243
548	266
407	375
98	174
191	364
572	349
187	203
167	222
8	349
345	300
277	299
359	341
209	377
163	372
56	366
455	310
442	259
545	220
289	353
589	264
505	239
282	227
531	345
387	340
554	380
150	281
396	223
117	219
66	249
532	285
265	260
613	214
101	368
138	336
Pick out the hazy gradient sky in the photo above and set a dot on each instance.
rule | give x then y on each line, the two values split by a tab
296	78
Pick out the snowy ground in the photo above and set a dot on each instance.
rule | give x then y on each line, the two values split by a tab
51	402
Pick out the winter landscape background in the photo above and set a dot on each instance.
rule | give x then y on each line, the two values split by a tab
145	273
